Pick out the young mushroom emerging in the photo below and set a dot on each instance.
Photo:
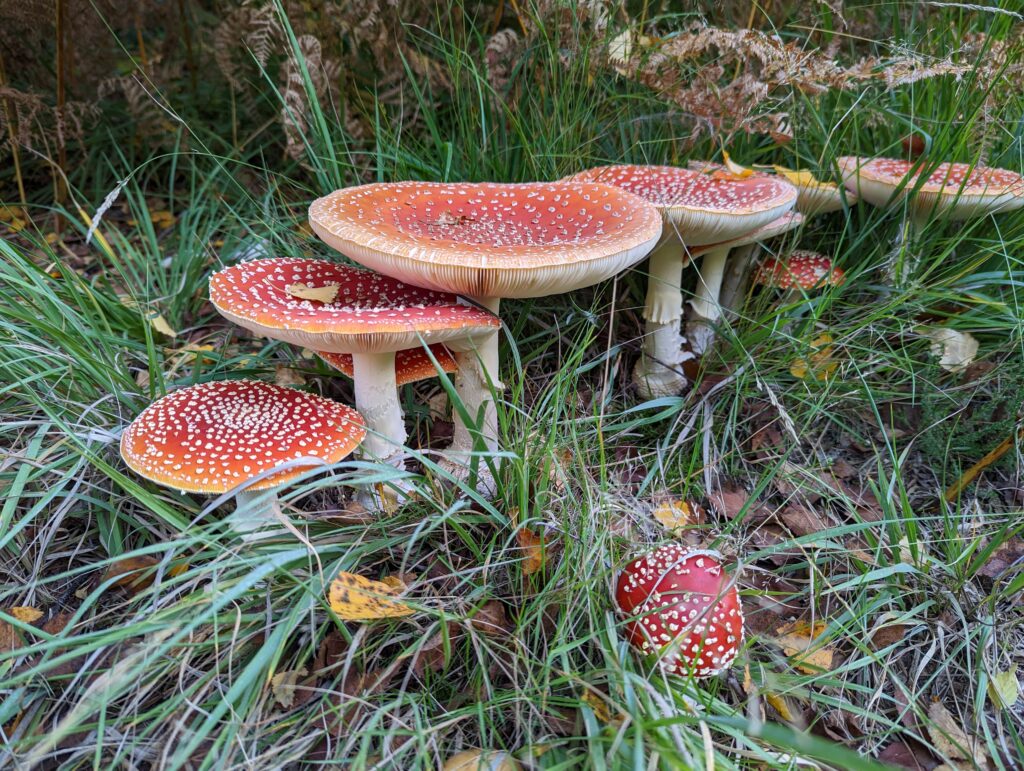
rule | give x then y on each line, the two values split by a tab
340	309
683	608
698	209
213	437
488	241
799	273
956	191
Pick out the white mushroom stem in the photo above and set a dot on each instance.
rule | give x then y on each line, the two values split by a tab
373	375
476	382
254	510
737	279
704	306
658	372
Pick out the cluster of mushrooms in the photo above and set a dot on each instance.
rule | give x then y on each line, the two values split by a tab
442	257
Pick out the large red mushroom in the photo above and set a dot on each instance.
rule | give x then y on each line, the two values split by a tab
698	209
341	309
488	241
684	608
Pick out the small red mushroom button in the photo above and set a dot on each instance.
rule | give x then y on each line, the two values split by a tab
683	607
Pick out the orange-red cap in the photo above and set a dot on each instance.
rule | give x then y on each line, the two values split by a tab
411	364
211	437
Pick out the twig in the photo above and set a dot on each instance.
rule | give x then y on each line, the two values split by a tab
954	490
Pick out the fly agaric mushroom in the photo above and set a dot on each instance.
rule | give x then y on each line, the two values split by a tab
698	209
699	333
799	273
411	365
683	608
488	241
957	191
213	437
341	309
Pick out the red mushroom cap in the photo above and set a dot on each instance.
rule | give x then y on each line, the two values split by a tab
801	270
489	240
211	437
706	208
958	189
686	609
370	313
411	365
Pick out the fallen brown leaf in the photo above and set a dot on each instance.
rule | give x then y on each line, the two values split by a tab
533	548
490	619
1006	556
910	755
282	686
802	520
729	501
136	574
888	635
951	740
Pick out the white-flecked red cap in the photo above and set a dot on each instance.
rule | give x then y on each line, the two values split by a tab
705	208
958	190
789	221
369	313
489	240
800	270
684	608
211	437
411	364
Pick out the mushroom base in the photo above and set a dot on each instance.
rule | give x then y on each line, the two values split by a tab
659	371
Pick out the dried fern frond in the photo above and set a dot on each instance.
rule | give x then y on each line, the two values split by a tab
249	34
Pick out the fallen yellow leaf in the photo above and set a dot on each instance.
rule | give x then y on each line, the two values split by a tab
159	323
674	514
803	178
162	218
25	614
324	294
1004	688
10	637
14	217
355	598
599	707
734	168
821	364
798	641
533	545
781	705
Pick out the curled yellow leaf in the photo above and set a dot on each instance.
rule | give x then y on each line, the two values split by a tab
355	598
